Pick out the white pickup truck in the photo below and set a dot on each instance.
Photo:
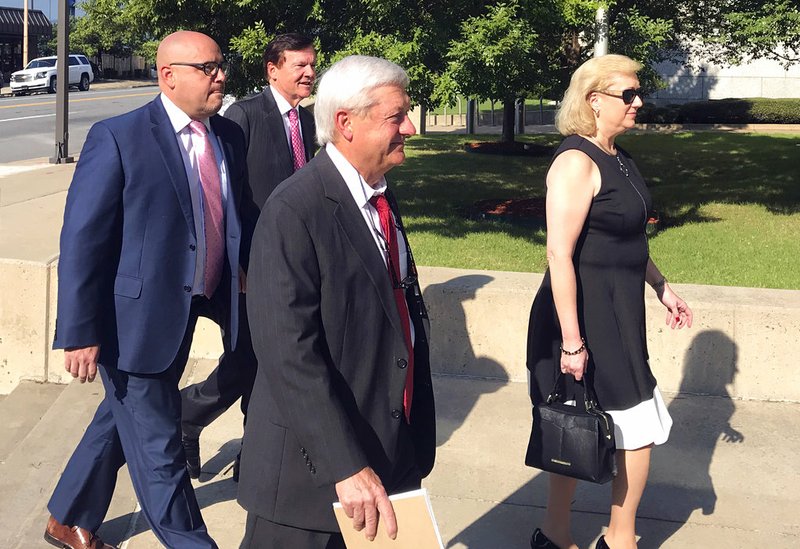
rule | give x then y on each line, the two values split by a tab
40	74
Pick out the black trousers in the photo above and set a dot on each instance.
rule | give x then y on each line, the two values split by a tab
261	533
233	378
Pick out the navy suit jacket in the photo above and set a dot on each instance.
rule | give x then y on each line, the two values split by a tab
269	157
128	243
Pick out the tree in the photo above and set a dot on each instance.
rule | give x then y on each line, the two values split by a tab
497	58
734	30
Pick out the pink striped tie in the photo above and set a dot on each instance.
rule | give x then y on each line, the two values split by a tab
212	208
298	150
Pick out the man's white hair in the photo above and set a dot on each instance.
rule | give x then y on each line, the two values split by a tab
348	85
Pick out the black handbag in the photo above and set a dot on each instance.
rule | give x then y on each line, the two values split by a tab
574	441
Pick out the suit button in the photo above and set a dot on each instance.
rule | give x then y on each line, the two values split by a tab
402	363
192	247
303	451
396	414
187	288
313	470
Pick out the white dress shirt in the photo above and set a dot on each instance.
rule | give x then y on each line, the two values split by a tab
362	192
284	107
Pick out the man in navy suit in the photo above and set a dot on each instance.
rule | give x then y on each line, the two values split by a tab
272	156
156	233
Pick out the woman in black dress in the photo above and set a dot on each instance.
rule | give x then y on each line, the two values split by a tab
588	316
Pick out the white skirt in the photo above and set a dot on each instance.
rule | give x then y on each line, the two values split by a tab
646	423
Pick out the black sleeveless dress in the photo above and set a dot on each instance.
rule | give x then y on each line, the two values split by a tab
610	260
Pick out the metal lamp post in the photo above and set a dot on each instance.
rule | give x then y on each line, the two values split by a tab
61	155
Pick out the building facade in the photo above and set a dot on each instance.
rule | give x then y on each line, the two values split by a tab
11	34
698	80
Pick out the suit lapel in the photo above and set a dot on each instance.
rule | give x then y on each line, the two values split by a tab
164	135
276	131
309	132
352	224
232	223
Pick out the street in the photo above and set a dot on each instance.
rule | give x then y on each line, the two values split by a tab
27	123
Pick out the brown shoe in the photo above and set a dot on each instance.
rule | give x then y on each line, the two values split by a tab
72	537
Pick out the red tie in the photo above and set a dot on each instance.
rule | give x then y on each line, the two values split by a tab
298	150
380	203
212	209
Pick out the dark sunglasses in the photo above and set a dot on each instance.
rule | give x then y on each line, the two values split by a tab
628	96
209	68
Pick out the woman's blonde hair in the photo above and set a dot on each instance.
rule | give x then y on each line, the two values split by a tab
575	115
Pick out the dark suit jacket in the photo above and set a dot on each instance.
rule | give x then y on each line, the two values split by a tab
328	396
128	243
269	154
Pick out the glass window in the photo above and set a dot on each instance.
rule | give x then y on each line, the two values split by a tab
41	64
73	61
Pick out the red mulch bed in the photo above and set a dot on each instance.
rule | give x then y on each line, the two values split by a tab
517	207
514	148
518	211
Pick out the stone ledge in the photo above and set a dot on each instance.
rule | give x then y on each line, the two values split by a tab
741	345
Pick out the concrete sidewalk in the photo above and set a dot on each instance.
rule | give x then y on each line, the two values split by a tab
725	479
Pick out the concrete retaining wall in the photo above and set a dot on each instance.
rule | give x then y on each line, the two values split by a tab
744	342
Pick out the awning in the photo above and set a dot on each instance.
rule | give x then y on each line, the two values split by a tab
11	22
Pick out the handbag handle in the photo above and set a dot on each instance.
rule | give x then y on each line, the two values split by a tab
589	396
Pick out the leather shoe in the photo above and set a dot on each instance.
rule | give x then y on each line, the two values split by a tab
540	541
191	447
72	537
601	543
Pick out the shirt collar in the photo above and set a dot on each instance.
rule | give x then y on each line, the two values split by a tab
359	188
283	104
179	119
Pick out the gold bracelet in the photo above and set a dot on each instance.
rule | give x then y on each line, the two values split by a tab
577	351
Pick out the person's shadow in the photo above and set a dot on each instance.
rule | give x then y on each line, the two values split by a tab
680	481
680	478
452	353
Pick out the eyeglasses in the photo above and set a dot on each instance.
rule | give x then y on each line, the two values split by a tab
209	68
628	96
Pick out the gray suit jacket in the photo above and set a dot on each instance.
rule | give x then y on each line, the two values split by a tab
269	155
328	395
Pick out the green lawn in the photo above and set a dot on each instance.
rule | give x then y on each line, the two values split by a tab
729	203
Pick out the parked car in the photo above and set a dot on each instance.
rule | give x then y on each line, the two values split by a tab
40	74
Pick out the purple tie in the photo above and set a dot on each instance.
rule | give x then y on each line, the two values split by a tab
298	150
212	208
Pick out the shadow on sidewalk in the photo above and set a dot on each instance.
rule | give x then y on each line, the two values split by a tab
441	304
680	480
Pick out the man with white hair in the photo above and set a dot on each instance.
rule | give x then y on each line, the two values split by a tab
342	407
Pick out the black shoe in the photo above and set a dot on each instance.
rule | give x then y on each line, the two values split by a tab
540	541
601	543
236	465
191	447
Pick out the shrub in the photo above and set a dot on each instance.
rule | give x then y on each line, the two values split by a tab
652	114
741	111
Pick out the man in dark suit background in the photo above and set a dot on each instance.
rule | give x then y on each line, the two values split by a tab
268	121
157	222
342	407
266	118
